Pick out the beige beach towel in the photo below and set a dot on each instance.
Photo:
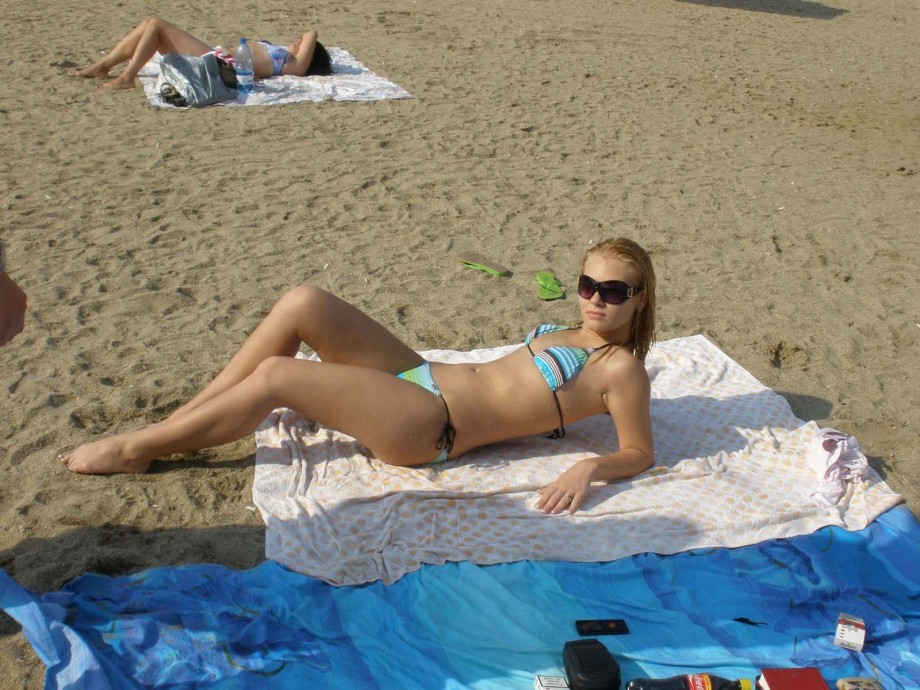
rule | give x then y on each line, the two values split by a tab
731	471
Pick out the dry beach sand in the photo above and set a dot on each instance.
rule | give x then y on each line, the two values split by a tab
765	151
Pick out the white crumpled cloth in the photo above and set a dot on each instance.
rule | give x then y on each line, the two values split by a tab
730	471
836	458
350	81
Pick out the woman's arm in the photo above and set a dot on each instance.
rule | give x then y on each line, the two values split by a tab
628	400
303	53
12	309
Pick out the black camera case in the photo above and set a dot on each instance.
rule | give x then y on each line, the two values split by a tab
589	665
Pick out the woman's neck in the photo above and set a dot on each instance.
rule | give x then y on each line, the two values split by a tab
604	338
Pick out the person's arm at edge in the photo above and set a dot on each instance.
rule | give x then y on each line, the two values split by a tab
628	403
12	305
298	67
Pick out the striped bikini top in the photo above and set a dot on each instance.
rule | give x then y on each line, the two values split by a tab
557	364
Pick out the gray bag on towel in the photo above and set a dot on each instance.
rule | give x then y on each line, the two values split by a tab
190	80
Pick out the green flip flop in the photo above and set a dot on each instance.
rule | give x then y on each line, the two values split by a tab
548	288
480	263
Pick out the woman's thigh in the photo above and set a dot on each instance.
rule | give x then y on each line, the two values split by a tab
343	334
399	421
176	40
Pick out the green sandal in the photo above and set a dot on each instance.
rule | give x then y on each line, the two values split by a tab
480	263
548	288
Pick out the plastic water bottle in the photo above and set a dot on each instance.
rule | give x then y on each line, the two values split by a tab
691	681
244	74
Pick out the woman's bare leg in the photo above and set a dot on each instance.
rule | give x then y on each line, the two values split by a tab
352	399
142	43
122	52
337	331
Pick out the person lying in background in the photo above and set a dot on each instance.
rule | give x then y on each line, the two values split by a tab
305	57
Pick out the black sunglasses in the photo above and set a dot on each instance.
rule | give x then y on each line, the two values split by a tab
611	291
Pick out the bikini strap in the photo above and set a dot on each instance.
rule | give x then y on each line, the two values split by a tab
559	432
446	440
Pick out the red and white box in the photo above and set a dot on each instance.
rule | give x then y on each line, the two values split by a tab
851	632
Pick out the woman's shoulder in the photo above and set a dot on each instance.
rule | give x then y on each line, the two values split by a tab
623	366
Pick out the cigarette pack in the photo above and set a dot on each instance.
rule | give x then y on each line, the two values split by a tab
791	679
851	632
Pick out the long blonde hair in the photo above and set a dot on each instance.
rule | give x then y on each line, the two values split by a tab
642	331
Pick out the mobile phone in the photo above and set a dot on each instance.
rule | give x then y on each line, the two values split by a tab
602	626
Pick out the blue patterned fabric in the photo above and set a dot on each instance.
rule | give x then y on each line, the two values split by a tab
278	55
727	611
557	364
421	376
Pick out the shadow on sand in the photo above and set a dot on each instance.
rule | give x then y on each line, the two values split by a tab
791	8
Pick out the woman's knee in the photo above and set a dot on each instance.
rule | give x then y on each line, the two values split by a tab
304	297
309	309
268	378
157	24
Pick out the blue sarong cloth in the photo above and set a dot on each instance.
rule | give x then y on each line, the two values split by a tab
727	611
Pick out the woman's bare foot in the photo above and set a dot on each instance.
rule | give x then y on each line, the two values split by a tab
117	84
108	456
91	72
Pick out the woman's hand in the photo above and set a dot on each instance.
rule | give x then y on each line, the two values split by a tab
569	490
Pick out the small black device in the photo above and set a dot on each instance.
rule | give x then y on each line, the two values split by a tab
589	665
602	626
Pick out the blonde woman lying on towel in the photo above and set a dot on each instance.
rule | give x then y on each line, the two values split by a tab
407	411
304	57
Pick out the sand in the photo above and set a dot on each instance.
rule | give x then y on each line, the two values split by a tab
765	151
